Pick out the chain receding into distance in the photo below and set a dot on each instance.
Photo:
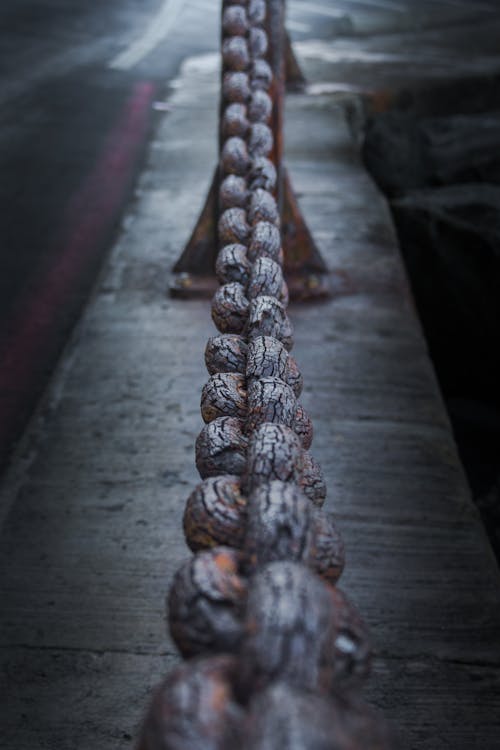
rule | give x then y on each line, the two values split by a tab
275	653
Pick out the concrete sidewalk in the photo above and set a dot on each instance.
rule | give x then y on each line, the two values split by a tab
93	503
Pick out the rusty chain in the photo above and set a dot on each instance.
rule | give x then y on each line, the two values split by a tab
276	652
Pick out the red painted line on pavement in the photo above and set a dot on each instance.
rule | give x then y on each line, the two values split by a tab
87	221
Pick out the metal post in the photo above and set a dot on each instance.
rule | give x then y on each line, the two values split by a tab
305	269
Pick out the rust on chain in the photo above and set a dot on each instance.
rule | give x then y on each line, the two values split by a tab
276	653
305	270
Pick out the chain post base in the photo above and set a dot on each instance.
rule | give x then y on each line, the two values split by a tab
305	270
294	78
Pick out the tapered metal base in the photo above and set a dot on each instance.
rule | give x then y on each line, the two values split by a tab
294	78
305	270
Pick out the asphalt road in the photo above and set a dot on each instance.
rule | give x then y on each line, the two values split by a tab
79	81
79	84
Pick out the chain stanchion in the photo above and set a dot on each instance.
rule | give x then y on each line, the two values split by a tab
276	653
305	270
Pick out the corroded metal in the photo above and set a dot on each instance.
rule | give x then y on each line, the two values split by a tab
215	514
295	79
205	603
226	353
221	448
277	522
261	584
282	524
294	632
286	717
251	125
194	708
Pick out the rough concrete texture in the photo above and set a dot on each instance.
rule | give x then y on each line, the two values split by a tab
96	495
94	532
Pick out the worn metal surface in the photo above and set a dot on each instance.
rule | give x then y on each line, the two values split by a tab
295	79
305	269
271	601
83	572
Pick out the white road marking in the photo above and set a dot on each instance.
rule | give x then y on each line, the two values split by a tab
154	33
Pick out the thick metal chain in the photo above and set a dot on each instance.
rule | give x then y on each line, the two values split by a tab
276	652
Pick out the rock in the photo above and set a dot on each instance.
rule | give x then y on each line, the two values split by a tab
450	238
405	152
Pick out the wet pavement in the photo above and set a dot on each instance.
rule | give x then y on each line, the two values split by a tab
78	92
80	80
93	501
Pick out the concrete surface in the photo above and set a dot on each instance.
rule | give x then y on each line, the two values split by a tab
94	499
